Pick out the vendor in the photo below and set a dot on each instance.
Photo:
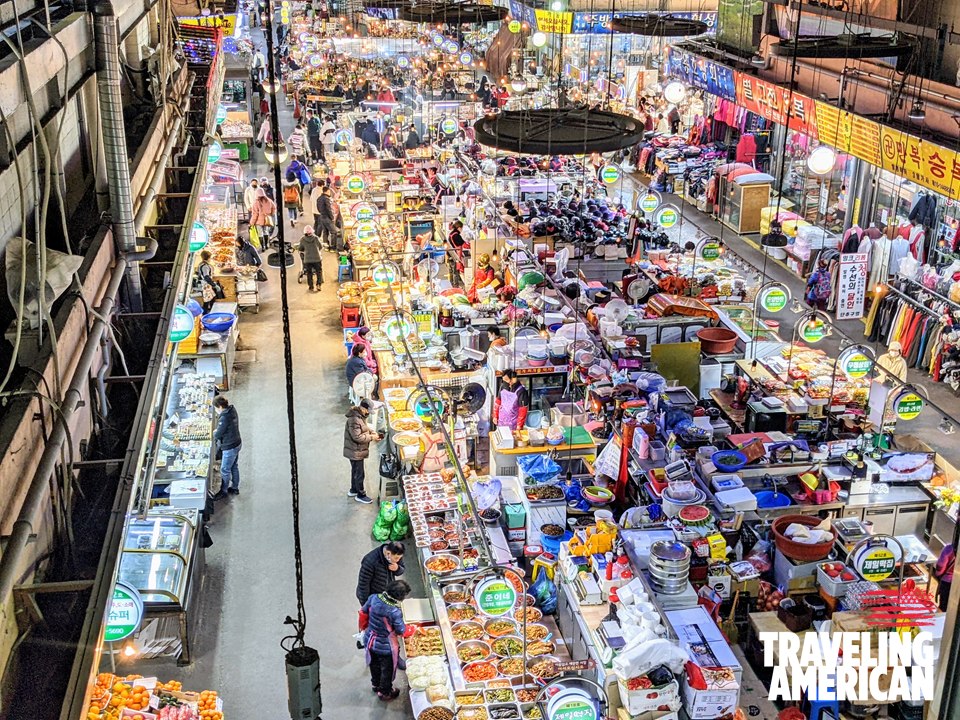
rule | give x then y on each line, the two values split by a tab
483	276
512	403
493	335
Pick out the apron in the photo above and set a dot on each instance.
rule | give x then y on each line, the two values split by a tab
509	409
394	649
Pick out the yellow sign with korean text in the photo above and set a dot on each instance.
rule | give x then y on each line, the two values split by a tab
849	133
925	163
549	21
228	23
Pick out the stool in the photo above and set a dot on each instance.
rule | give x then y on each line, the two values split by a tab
815	708
344	272
349	316
547	565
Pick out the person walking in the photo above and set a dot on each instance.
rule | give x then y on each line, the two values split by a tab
297	141
227	439
818	286
250	195
378	568
261	216
328	132
327	219
312	258
247	254
310	203
357	436
291	197
382	637
313	136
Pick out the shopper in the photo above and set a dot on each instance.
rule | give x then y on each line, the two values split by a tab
383	634
449	88
943	572
250	195
261	216
357	436
313	136
413	138
379	567
326	217
210	289
227	439
247	254
291	197
328	132
818	286
512	403
297	141
309	248
357	363
362	337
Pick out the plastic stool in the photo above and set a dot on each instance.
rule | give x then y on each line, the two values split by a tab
546	564
816	707
344	272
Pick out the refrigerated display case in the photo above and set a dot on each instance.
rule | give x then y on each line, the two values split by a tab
163	559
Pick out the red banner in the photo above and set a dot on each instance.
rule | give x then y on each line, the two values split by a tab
773	102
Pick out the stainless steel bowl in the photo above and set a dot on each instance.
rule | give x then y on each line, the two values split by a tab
478	644
464	623
495	641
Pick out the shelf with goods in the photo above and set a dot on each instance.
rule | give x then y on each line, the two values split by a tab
133	697
219	216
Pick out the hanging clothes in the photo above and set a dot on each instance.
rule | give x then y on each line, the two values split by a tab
917	239
924	209
899	249
746	149
881	261
852	239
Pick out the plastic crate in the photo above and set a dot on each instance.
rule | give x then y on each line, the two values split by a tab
832	586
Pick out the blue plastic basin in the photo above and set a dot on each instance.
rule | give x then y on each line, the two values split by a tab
767	499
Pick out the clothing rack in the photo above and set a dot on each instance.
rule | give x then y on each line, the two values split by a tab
951	303
912	301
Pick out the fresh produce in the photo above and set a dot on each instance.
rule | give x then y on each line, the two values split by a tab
499	695
426	670
768	597
531	613
506	646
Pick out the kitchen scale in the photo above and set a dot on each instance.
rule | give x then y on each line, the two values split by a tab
850	531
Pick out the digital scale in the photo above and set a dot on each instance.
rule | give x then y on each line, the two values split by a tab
850	531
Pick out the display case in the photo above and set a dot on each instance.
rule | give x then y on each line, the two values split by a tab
741	204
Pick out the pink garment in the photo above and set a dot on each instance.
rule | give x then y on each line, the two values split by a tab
368	356
509	409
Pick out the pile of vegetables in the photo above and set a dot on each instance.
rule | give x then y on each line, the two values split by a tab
768	597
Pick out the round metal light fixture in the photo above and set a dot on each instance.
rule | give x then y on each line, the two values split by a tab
559	131
657	25
674	91
453	14
917	112
518	84
278	157
821	160
539	39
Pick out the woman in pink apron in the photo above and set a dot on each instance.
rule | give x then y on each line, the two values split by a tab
512	403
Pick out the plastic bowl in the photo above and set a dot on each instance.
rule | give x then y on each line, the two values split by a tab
728	460
596	495
717	340
804	552
218	322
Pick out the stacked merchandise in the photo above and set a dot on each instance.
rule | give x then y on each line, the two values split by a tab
137	698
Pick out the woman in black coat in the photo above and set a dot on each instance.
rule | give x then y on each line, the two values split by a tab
379	567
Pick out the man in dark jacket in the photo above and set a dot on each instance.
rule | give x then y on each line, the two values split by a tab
327	218
313	136
227	439
312	258
246	253
379	567
357	436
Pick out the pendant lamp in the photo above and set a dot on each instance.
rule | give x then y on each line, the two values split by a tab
559	131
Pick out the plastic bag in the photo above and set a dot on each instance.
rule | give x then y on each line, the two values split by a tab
539	468
544	593
383	525
401	525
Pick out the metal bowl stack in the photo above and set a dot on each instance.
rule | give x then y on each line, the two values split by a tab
669	567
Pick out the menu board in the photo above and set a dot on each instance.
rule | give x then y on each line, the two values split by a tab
852	285
848	133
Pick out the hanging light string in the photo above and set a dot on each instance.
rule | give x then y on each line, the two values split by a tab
295	641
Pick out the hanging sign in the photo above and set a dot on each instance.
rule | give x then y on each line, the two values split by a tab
221	114
813	330
366	231
709	249
448	126
451	47
363	212
514	26
495	596
181	324
403	62
852	285
214	151
438	39
199	236
609	174
466	58
854	363
551	21
397	326
343	137
575	709
316	60
907	405
667	216
355	184
649	203
124	614
774	298
875	561
384	274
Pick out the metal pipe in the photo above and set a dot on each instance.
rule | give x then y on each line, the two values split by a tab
106	50
38	493
102	376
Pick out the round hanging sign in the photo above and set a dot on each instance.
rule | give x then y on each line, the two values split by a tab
854	363
363	212
403	62
383	274
451	47
449	126
124	614
908	405
667	216
343	137
214	151
774	298
355	184
575	709
813	330
466	58
397	326
366	231
316	60
199	236
495	596
181	324
649	202
221	114
709	250
424	411
875	562
609	174
514	26
438	39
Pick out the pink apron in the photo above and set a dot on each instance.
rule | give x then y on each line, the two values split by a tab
509	409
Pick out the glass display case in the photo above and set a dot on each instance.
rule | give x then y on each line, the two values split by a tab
157	555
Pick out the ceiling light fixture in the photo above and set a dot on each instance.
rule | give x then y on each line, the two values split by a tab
822	160
518	84
917	112
658	25
539	39
674	91
559	131
758	60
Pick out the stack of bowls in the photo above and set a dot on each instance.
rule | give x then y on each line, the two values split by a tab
669	566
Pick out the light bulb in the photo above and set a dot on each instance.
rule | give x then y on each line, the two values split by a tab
821	160
674	91
539	39
557	6
518	84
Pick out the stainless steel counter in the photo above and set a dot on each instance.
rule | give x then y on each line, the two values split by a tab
897	495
